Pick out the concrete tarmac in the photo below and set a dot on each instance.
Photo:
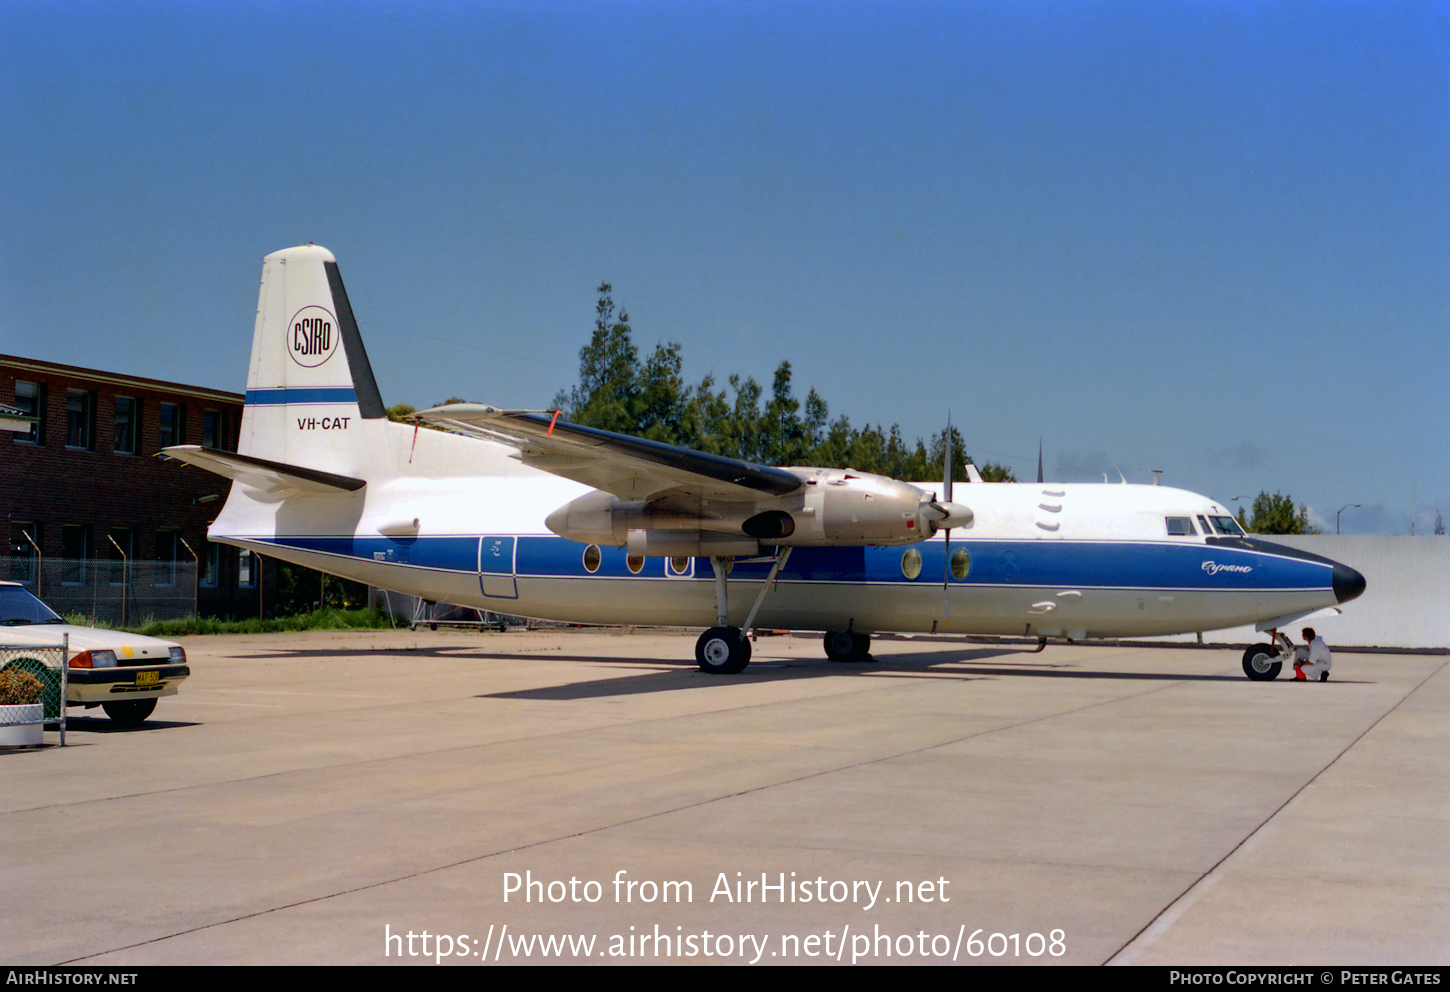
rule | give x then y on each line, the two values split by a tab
314	798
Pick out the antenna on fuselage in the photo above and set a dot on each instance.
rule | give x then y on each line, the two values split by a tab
1039	458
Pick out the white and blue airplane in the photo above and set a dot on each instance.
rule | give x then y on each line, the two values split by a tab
522	513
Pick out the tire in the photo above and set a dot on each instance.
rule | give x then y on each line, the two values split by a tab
1259	663
846	645
49	678
129	712
722	651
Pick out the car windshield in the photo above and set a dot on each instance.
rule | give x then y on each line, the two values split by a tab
18	607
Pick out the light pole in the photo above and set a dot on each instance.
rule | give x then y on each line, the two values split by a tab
1336	516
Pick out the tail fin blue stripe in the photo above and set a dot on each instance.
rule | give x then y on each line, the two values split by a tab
269	397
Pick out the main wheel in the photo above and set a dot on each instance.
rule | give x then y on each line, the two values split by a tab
722	651
847	645
1261	664
129	712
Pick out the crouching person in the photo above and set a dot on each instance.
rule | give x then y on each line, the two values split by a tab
1312	660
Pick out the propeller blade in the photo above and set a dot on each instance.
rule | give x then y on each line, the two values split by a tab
946	485
946	574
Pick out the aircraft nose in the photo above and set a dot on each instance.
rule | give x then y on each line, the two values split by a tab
1348	584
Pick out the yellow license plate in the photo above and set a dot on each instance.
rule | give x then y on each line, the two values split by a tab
148	678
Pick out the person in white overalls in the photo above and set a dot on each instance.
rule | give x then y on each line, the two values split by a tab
1312	660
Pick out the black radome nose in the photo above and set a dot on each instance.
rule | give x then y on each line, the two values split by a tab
1348	584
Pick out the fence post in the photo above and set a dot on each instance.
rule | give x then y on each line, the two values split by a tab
196	578
125	576
39	565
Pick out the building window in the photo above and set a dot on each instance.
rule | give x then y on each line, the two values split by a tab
166	548
24	539
246	569
30	399
211	574
214	430
127	416
171	430
120	548
75	548
78	414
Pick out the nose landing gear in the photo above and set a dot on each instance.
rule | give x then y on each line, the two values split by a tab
1264	662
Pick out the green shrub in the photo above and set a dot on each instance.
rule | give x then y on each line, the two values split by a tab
19	688
325	619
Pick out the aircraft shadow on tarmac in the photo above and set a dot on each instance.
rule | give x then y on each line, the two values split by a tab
668	674
965	665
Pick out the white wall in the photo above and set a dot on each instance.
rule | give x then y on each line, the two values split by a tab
1406	602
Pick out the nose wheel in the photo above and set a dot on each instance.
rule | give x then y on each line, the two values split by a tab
722	651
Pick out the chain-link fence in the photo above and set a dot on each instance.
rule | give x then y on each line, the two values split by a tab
46	665
110	592
414	611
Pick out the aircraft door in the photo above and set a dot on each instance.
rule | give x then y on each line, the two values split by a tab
496	567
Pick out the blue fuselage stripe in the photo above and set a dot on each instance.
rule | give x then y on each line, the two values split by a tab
1065	564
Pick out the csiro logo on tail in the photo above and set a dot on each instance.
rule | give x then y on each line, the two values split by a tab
312	336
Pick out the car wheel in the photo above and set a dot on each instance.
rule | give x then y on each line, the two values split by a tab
129	712
1261	663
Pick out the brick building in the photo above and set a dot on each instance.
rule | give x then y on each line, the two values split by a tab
81	491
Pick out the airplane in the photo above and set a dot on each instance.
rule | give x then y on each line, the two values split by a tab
521	512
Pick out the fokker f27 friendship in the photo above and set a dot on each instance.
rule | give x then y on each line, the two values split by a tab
523	513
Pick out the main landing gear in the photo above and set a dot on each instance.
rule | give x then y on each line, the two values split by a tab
723	649
847	645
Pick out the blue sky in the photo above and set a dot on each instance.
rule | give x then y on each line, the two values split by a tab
1208	238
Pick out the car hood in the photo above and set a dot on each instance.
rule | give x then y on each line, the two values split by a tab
126	646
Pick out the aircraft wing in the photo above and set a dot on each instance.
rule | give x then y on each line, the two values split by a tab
631	468
260	474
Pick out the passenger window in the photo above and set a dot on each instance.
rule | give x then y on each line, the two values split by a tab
1181	527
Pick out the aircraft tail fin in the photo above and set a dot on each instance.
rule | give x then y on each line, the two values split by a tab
310	386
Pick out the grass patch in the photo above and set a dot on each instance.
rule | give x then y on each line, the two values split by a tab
324	619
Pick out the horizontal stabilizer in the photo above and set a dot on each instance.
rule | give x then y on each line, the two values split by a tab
263	475
631	468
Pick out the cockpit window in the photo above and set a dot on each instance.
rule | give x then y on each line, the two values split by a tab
1180	526
1227	526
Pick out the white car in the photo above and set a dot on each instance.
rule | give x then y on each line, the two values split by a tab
124	674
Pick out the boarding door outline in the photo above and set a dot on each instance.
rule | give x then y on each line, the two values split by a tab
496	567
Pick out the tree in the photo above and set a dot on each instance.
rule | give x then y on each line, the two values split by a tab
615	392
1276	515
1439	523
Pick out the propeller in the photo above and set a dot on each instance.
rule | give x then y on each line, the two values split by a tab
953	515
946	488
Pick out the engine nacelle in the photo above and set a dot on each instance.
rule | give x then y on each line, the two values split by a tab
836	507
